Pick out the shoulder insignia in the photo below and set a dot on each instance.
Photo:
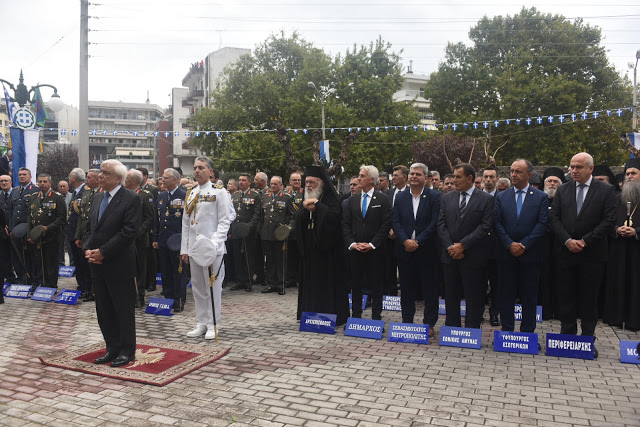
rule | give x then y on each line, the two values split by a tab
86	187
218	186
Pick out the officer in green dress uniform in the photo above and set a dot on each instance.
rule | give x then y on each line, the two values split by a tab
47	215
296	192
152	253
91	188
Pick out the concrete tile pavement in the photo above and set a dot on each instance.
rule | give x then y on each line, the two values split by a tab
275	375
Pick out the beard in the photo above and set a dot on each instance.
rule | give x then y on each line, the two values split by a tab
551	192
313	194
631	192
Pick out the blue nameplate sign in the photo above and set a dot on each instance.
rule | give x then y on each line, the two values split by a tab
65	271
442	307
515	342
159	306
413	333
44	294
159	279
391	303
322	323
364	328
575	346
629	352
518	313
364	301
18	291
5	287
460	337
68	297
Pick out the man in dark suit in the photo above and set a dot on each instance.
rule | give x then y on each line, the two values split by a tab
109	245
415	219
464	225
522	216
365	225
20	197
5	161
6	269
583	214
399	178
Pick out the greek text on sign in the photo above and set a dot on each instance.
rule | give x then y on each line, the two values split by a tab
629	352
44	294
409	333
460	337
442	307
18	291
515	342
574	346
65	271
159	306
322	323
364	328
391	303
68	297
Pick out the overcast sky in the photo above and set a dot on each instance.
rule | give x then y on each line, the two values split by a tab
141	45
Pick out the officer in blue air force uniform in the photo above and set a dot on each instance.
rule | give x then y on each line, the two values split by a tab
169	210
19	207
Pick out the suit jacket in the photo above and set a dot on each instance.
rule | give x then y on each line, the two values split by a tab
168	220
424	224
4	165
472	230
593	225
528	229
374	227
114	234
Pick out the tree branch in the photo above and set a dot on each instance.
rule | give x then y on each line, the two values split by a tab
285	139
315	148
630	147
336	169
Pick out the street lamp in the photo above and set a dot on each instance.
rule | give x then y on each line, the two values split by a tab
23	96
635	94
324	92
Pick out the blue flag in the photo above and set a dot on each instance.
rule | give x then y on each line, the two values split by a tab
11	108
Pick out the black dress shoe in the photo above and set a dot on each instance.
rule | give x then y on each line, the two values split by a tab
108	357
151	288
281	292
122	360
238	286
292	285
89	298
268	290
177	308
495	320
248	288
595	352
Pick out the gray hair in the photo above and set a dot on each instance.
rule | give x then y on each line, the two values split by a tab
206	160
94	170
78	174
45	175
505	181
422	166
263	176
174	173
118	168
279	178
373	172
136	175
435	173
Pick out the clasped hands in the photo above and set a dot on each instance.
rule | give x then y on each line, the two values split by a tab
456	251
575	246
93	256
626	231
361	247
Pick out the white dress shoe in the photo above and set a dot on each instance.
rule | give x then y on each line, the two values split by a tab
210	335
200	330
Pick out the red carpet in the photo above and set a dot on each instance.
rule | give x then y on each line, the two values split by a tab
157	362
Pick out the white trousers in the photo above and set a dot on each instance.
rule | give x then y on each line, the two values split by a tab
200	288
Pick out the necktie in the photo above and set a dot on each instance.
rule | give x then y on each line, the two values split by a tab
463	203
364	204
519	202
580	197
6	196
103	205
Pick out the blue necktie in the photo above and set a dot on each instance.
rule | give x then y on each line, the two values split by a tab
519	202
103	205
364	205
580	197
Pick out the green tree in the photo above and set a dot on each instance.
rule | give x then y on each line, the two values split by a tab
58	162
269	90
528	65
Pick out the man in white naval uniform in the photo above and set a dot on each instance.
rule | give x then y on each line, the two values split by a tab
205	224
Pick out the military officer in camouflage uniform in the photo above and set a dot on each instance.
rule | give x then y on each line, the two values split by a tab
247	203
277	210
133	182
169	211
293	255
18	209
47	208
89	191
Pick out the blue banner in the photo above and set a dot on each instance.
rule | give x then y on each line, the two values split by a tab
364	328
518	313
159	306
68	297
364	301
65	271
322	323
391	303
515	342
413	333
460	337
44	294
5	287
18	291
159	280
629	352
442	307
574	346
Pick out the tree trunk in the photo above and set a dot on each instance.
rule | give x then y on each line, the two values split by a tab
285	139
336	169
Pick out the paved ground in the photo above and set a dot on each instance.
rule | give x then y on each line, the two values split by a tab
275	375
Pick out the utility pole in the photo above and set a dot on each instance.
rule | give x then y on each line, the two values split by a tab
634	124
83	125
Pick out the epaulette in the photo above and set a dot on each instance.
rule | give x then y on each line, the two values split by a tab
57	193
218	186
87	188
287	194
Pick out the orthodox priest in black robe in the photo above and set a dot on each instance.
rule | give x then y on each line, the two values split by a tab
622	298
318	231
